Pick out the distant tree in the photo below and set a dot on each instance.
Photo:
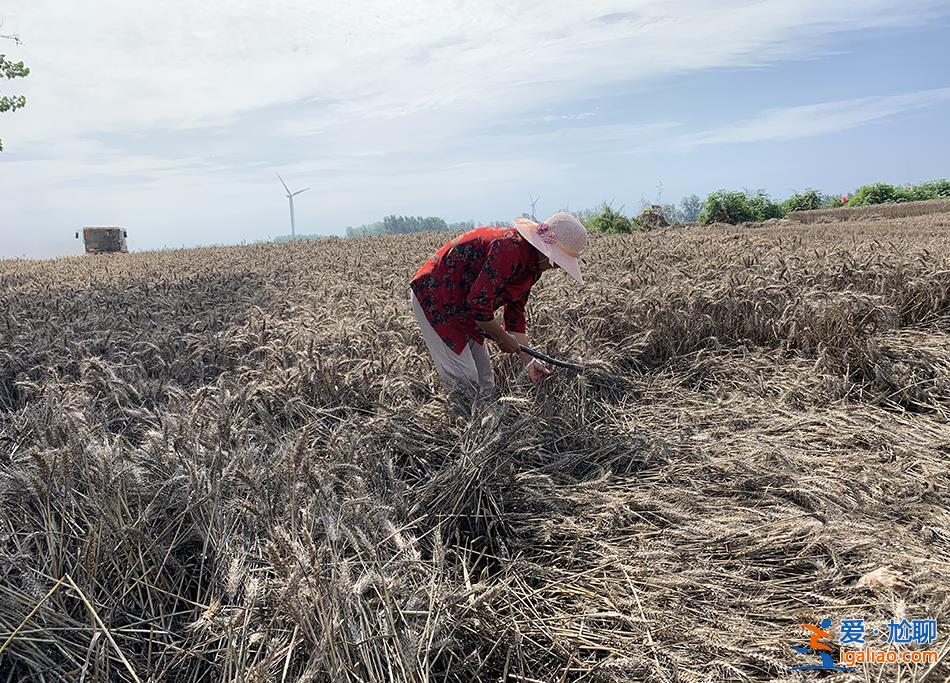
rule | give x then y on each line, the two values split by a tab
669	211
690	208
366	230
11	70
687	212
397	225
434	224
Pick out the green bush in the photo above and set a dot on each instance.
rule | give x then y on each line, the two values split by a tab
880	193
739	207
935	189
763	208
726	207
808	200
883	193
832	201
606	219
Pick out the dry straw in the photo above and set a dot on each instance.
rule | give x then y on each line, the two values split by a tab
239	458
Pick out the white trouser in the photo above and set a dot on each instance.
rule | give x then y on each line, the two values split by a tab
470	368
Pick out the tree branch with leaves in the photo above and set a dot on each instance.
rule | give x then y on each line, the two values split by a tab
11	70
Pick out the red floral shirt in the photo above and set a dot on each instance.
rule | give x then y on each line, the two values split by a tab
472	276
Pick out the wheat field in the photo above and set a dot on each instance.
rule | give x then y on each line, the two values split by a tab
234	464
872	211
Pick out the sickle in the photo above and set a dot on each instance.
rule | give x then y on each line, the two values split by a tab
553	361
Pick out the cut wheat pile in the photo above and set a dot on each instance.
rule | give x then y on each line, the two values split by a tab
232	464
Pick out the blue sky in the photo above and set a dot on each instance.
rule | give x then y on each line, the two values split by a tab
169	118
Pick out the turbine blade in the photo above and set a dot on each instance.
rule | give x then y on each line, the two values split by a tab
282	182
299	191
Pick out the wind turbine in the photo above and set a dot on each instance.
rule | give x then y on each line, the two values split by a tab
533	203
290	196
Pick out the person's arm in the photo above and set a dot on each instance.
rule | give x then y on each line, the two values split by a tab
516	325
523	341
493	329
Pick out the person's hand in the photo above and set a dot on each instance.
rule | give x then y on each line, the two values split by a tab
537	371
508	344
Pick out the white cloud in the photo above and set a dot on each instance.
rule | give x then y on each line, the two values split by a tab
377	103
115	64
817	119
580	116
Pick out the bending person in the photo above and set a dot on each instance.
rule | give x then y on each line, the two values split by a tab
455	294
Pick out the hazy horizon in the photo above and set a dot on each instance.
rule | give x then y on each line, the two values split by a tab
170	120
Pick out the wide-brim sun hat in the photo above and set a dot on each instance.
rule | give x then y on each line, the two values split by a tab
561	238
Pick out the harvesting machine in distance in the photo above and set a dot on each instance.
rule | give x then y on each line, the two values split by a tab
104	240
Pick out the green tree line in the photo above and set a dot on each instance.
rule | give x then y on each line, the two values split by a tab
398	225
724	206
